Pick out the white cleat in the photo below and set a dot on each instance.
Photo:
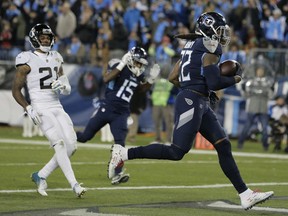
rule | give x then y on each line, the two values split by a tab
120	178
40	182
78	190
116	161
254	198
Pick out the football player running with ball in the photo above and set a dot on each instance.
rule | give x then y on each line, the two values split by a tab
122	78
42	70
197	73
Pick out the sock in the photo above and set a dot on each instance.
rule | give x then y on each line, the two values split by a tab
245	193
229	166
48	168
64	162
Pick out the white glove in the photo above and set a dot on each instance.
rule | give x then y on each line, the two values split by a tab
33	115
124	61
57	86
154	72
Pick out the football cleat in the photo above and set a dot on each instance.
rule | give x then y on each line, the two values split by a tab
254	198
40	182
120	178
116	162
78	190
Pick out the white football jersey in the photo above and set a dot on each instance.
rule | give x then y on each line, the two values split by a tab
44	68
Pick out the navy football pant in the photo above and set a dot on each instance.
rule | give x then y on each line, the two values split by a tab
106	115
193	114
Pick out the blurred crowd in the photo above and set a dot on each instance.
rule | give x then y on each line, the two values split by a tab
92	31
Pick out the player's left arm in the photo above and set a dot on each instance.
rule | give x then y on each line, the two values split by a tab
62	84
212	75
174	74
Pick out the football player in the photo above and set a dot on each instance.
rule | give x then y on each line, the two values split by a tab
42	70
197	73
122	78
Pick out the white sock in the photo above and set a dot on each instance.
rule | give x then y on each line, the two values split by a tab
64	163
245	193
49	168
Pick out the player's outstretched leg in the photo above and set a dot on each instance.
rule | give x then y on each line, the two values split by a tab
251	198
40	182
116	162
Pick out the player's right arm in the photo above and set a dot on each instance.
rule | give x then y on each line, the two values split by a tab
108	76
214	80
18	84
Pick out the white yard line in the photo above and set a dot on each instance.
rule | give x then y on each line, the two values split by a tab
154	187
108	146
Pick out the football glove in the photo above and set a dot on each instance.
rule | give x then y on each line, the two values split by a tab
61	85
153	74
124	61
33	115
57	85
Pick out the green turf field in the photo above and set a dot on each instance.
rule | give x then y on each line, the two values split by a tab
192	186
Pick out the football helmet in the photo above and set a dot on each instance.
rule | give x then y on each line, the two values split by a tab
213	25
36	31
137	55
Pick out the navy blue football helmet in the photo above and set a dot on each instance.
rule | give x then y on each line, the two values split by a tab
213	25
139	55
36	31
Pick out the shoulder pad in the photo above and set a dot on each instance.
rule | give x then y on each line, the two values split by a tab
57	55
23	58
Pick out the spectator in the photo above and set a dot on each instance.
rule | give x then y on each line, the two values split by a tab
234	53
66	24
6	36
278	121
274	28
118	43
138	104
162	112
76	51
257	91
87	26
131	16
99	51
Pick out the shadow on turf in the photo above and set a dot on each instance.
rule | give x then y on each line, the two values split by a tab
95	211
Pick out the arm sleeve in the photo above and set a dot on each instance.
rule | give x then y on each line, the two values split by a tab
67	87
214	80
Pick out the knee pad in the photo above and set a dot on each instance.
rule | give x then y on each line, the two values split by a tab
71	148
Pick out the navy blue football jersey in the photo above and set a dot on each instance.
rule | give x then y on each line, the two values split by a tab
120	90
191	67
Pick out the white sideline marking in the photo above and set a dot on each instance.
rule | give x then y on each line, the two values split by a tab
153	187
221	204
83	212
108	146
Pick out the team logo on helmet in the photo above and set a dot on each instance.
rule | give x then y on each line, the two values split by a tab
208	21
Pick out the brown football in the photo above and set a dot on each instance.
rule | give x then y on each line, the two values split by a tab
228	67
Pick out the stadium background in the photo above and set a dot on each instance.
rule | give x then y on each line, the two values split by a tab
85	77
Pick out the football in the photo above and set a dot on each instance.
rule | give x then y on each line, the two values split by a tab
228	67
